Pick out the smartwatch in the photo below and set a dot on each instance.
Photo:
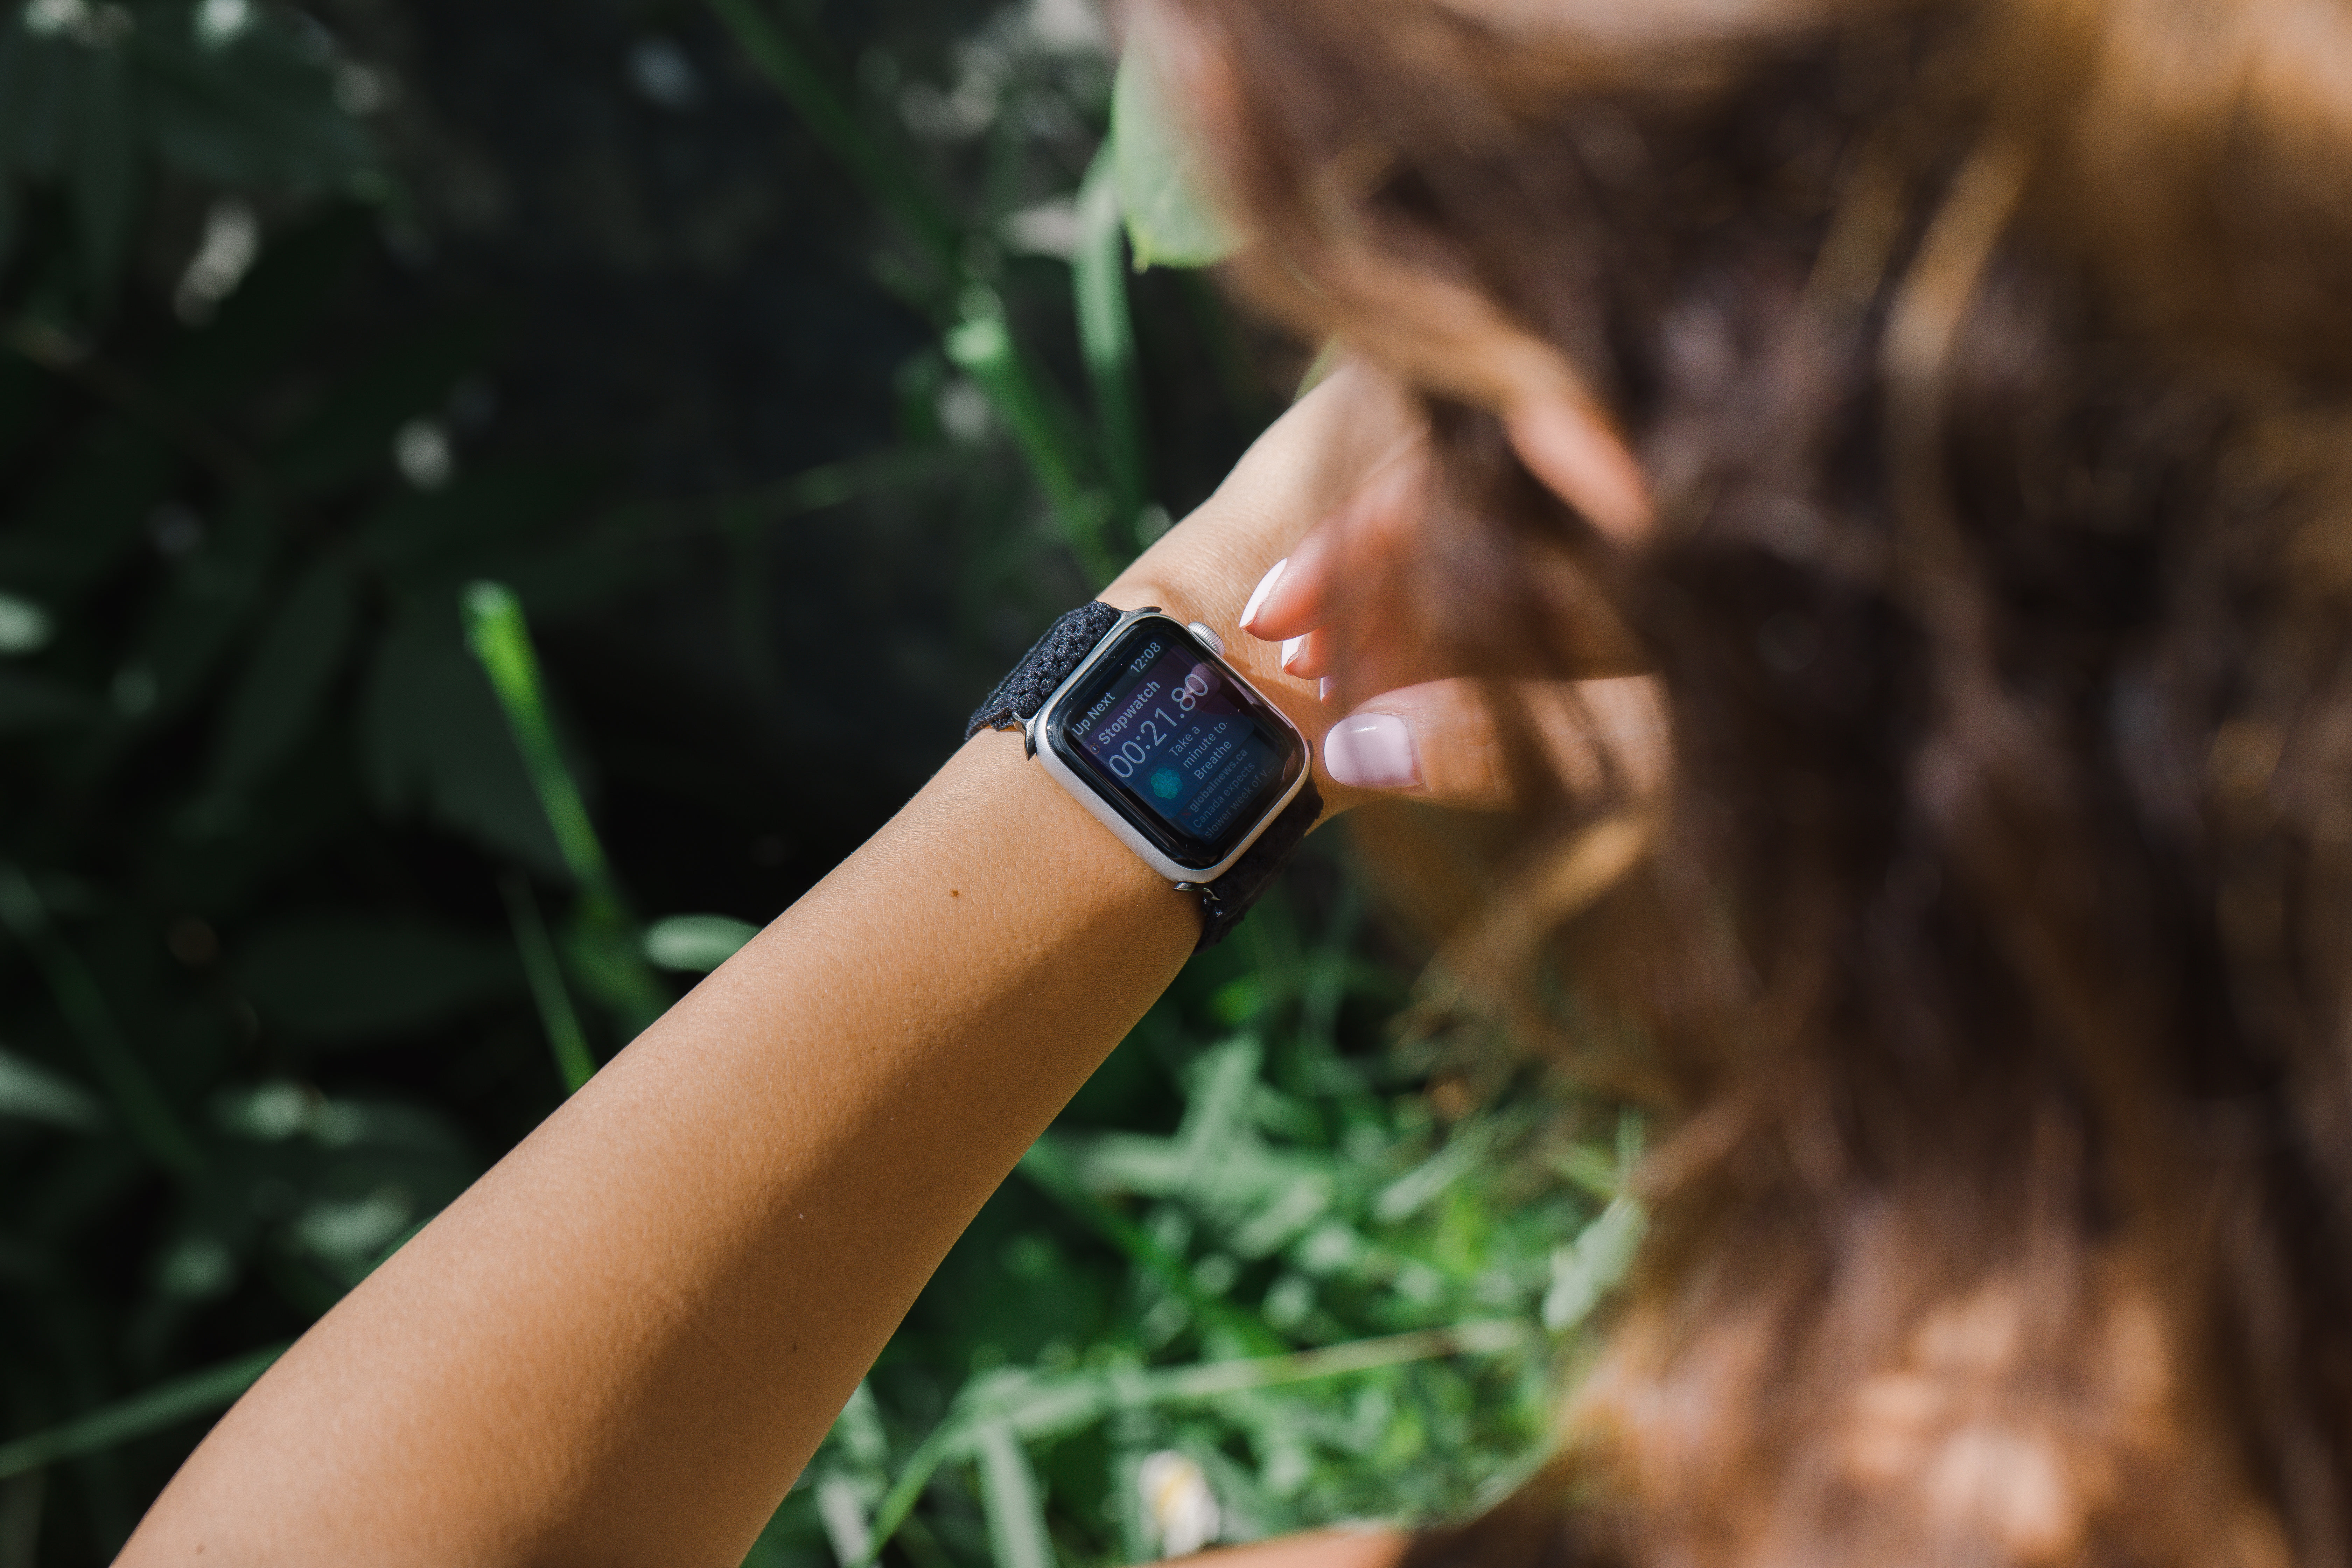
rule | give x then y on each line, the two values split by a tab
1140	719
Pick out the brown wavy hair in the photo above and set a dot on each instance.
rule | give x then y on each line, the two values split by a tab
1992	364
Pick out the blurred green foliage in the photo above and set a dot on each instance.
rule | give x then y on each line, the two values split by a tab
1318	1298
96	98
305	913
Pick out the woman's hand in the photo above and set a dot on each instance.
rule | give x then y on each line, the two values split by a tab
1355	424
1323	515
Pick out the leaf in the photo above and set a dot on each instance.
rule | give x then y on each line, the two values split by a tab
1163	174
291	670
1281	1222
1216	1123
697	942
35	1094
1009	1496
279	1111
345	977
841	1505
349	1233
258	112
106	175
858	1429
342	1181
1585	1270
1049	1164
434	741
604	954
1463	1155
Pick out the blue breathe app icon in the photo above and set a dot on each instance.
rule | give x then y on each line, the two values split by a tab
1167	783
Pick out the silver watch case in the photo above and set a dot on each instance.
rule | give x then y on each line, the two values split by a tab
1083	789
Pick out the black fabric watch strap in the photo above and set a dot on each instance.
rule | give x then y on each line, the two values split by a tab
1041	672
1043	669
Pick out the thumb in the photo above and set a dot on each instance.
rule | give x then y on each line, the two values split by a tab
1443	741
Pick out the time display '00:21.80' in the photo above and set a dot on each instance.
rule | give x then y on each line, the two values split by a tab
1168	729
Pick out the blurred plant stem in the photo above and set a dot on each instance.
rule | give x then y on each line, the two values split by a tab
1099	274
1093	478
137	1098
605	943
199	1394
501	642
981	346
788	57
547	993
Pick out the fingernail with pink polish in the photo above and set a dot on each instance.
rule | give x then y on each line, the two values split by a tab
1257	595
1324	688
1290	649
1371	750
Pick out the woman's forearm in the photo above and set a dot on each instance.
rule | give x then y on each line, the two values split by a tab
622	1344
625	1341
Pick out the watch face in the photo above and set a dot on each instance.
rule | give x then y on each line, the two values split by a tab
1189	754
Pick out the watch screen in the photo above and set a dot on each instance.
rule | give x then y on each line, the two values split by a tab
1196	757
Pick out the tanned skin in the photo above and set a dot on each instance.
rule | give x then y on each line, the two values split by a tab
623	1343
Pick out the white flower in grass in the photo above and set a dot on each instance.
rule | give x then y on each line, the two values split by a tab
1177	1500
